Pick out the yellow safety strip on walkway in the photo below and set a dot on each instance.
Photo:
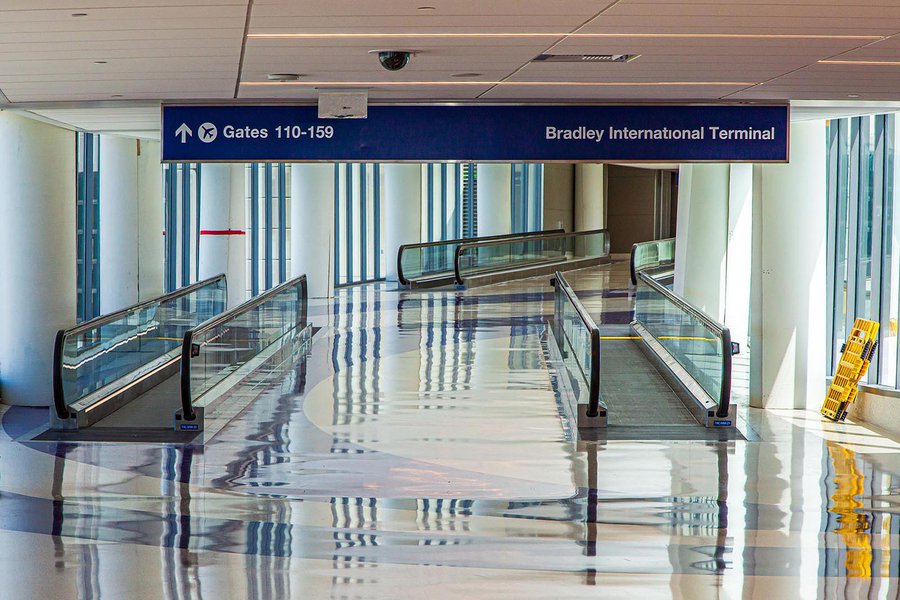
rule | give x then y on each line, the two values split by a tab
662	337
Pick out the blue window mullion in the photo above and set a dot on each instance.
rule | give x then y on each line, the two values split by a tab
470	200
337	223
89	240
185	224
267	211
282	225
254	229
171	226
197	175
79	225
376	216
363	232
444	232
513	200
458	213
537	180
348	225
88	226
429	201
528	197
833	232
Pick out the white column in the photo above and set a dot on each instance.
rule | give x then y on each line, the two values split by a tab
740	230
590	196
402	202
236	269
559	196
787	319
312	226
151	207
37	254
701	237
118	223
215	220
494	202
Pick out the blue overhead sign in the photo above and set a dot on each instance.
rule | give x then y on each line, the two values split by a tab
499	133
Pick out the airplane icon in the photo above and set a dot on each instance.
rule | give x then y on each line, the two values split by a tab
207	132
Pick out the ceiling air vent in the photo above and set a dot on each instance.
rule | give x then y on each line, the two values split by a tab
586	58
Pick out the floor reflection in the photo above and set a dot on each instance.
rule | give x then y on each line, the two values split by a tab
419	451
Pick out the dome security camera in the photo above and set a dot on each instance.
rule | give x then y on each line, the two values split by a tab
393	60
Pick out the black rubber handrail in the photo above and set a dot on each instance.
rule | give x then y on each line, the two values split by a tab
634	247
593	408
550	236
404	281
187	405
59	401
714	327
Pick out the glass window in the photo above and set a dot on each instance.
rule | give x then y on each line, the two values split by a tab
268	216
863	269
182	224
527	198
357	224
890	262
87	218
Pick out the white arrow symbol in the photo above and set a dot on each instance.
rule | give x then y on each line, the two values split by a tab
183	131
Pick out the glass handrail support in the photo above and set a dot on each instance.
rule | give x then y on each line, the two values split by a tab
490	257
426	260
652	255
699	344
230	345
98	358
578	337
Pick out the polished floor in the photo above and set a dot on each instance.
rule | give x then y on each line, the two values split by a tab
419	452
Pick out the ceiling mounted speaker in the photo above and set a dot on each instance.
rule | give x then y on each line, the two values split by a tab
343	104
586	58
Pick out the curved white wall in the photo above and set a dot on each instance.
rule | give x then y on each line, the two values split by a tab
119	237
787	323
312	226
215	217
494	202
37	254
151	252
590	197
402	202
702	236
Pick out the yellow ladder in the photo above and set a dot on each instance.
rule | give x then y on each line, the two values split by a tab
856	355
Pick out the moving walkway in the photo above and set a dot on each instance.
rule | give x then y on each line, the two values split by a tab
162	364
670	366
432	264
480	261
656	258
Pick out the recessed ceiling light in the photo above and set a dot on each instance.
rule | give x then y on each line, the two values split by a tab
503	83
79	14
876	63
283	76
568	34
100	62
466	75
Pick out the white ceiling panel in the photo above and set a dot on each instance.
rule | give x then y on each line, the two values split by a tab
443	8
878	17
888	49
154	50
129	49
607	94
121	118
